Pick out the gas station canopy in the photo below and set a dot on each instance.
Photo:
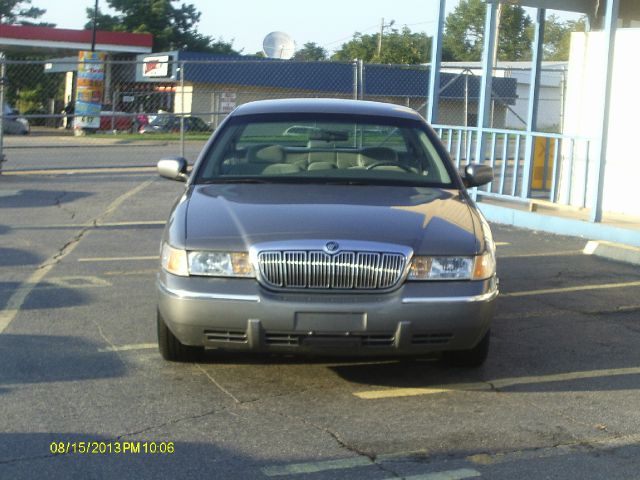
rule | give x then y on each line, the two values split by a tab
46	40
629	9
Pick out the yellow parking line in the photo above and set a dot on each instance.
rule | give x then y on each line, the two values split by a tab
579	288
16	301
502	244
118	259
497	384
415	392
92	225
126	224
74	171
131	273
126	348
562	253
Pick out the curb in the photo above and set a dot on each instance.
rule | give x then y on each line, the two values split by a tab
613	251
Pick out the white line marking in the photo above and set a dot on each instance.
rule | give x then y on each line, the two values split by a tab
579	288
314	467
127	348
355	462
17	299
448	475
496	384
118	259
502	244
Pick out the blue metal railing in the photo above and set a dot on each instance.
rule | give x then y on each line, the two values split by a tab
558	163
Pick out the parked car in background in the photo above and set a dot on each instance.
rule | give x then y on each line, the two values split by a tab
167	123
358	239
118	121
13	123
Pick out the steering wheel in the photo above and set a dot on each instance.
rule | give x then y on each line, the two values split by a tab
388	164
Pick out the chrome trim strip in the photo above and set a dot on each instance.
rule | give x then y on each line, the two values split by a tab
188	295
470	299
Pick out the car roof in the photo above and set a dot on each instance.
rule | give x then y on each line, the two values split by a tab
326	106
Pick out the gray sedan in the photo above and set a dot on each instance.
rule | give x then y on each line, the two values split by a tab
352	235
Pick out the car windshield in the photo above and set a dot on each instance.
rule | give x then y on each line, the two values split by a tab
162	120
336	149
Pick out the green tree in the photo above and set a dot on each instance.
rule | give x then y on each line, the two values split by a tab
464	32
311	51
557	37
21	12
398	46
172	26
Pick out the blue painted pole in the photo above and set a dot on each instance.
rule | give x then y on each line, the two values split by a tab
436	61
611	24
484	105
534	96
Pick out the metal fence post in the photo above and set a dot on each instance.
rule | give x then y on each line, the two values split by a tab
436	60
361	78
182	154
611	20
3	78
534	97
486	89
355	79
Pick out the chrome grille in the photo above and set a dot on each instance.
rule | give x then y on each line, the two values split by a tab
315	269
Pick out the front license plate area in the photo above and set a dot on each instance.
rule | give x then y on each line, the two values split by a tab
332	322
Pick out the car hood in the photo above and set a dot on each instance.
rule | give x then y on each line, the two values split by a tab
235	216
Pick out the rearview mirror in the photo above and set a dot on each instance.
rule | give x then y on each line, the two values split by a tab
475	175
173	168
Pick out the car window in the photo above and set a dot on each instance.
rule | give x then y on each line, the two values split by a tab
349	149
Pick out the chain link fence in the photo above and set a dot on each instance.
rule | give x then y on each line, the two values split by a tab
171	107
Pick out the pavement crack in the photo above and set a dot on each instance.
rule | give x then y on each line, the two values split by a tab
173	421
342	443
217	384
28	459
58	203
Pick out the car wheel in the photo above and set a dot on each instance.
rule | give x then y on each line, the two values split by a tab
469	358
170	347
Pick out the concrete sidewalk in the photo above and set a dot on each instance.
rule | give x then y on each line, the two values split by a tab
617	237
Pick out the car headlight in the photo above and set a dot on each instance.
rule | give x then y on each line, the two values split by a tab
210	264
478	267
174	260
220	264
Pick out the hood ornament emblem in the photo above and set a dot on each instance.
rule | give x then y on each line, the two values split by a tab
331	247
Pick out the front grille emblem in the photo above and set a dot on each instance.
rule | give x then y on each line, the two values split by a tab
331	247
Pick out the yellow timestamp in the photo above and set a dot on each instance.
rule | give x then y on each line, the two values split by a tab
117	448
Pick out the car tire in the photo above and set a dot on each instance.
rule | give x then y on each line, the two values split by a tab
474	357
170	347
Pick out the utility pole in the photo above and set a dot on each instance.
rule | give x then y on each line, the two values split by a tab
382	27
495	47
93	34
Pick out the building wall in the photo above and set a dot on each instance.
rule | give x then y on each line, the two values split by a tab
583	116
552	82
203	100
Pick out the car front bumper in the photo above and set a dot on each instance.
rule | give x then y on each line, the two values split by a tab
239	314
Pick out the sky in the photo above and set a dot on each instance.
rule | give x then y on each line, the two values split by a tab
329	23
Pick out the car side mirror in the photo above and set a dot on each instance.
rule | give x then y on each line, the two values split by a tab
475	175
173	168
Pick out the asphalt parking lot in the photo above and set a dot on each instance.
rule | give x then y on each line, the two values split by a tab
557	398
